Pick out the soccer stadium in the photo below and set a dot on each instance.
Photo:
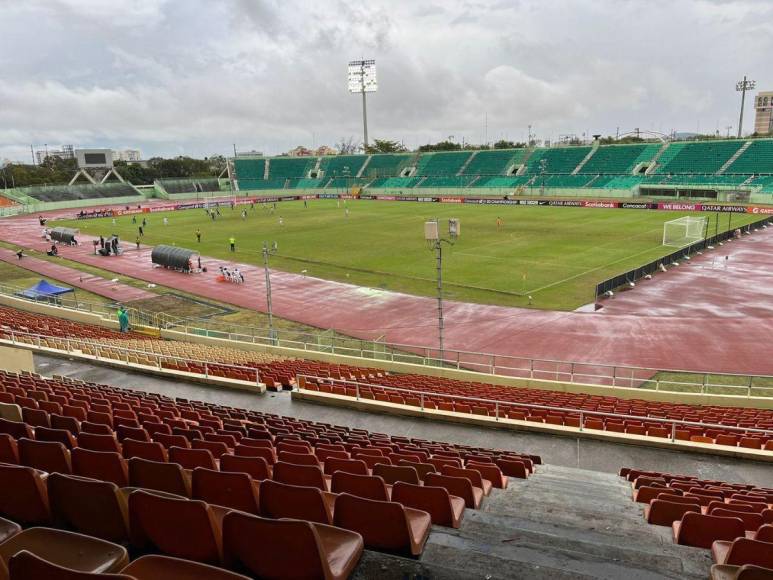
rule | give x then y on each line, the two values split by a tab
436	357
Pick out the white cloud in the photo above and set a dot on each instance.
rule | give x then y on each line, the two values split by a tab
195	76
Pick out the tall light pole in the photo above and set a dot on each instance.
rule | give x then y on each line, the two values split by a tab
266	253
362	79
435	243
742	87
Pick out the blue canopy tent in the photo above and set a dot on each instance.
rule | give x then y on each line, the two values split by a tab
45	290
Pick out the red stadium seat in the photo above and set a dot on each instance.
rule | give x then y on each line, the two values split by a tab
182	528
255	467
701	531
367	486
102	465
289	548
305	475
153	567
383	525
232	490
664	513
192	458
279	500
66	549
743	551
167	477
48	456
150	450
23	495
393	473
444	509
458	486
91	507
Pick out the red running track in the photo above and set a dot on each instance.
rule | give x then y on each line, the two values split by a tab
704	315
113	290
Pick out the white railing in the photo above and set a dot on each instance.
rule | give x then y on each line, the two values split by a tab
582	414
72	345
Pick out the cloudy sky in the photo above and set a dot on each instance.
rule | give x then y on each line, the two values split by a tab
195	77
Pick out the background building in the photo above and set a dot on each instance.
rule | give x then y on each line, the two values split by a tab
763	122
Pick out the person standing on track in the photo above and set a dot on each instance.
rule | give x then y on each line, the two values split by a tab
198	235
232	242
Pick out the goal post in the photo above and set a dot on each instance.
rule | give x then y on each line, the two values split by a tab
684	231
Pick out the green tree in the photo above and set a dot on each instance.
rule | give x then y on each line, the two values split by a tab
385	146
441	146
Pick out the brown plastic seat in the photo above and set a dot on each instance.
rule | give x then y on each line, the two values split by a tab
743	551
8	529
23	495
421	468
232	490
9	450
647	493
16	429
154	567
665	513
367	486
372	460
48	456
458	486
182	528
216	448
701	531
513	468
489	472
289	548
751	521
256	467
192	458
27	566
61	435
97	442
356	466
168	440
444	509
305	475
96	428
393	473
128	432
103	465
299	458
88	506
66	549
384	525
748	572
281	500
150	450
764	534
474	476
70	424
168	477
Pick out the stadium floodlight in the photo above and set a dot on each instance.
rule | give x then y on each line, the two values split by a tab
742	87
684	231
435	242
269	251
362	79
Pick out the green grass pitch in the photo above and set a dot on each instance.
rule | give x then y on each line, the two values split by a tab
555	254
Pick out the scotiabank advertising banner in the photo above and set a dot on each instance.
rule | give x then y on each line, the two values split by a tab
601	204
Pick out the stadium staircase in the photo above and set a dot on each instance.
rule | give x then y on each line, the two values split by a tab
586	159
364	166
654	161
735	156
466	163
564	523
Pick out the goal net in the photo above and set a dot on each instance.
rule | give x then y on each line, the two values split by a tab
684	231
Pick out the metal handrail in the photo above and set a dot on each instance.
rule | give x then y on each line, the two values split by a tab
581	412
122	350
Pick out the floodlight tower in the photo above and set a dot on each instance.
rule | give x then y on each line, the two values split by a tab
742	87
435	242
362	79
269	251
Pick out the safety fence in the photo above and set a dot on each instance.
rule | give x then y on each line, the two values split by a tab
111	352
570	417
